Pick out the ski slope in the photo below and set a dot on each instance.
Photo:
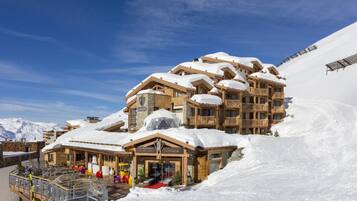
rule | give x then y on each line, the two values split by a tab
306	74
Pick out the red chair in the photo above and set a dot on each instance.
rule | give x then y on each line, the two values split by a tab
99	175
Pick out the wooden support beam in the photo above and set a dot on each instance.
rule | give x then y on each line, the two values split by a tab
86	159
196	117
184	168
74	157
116	166
100	162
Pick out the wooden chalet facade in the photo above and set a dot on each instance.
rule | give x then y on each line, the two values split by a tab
251	110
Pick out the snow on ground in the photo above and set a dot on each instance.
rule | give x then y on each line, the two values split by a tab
310	67
315	159
16	128
316	156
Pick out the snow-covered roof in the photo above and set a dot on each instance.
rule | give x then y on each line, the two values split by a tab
247	61
266	75
240	76
214	90
205	138
185	81
93	133
77	122
213	68
149	91
207	99
232	84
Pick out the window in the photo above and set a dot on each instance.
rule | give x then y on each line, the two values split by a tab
231	96
50	157
178	94
207	112
231	130
232	113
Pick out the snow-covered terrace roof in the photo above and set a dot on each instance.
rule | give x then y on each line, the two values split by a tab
266	75
77	122
186	81
93	134
207	99
213	68
247	61
233	85
205	138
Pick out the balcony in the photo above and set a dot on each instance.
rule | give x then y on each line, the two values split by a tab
232	103
278	95
259	91
278	109
231	121
275	121
255	106
202	121
248	123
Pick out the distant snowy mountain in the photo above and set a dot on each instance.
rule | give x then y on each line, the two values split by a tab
306	74
16	128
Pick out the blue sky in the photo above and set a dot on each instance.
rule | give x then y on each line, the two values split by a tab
71	59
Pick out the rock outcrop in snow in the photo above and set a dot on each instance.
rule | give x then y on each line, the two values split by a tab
17	129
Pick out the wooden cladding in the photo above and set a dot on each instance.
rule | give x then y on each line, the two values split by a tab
232	103
278	95
203	121
259	91
165	150
255	107
278	109
231	121
255	123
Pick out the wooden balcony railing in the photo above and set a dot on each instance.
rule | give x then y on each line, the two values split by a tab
275	121
255	106
202	120
255	122
259	91
278	109
278	95
231	121
232	103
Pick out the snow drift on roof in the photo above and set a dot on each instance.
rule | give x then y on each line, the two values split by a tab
240	76
232	84
93	132
77	122
207	99
214	68
184	80
149	91
247	61
204	138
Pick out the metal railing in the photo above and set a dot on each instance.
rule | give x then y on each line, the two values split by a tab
78	189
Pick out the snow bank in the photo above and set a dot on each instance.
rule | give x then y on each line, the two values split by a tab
315	159
207	99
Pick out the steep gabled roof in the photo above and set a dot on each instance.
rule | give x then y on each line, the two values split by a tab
184	82
246	61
